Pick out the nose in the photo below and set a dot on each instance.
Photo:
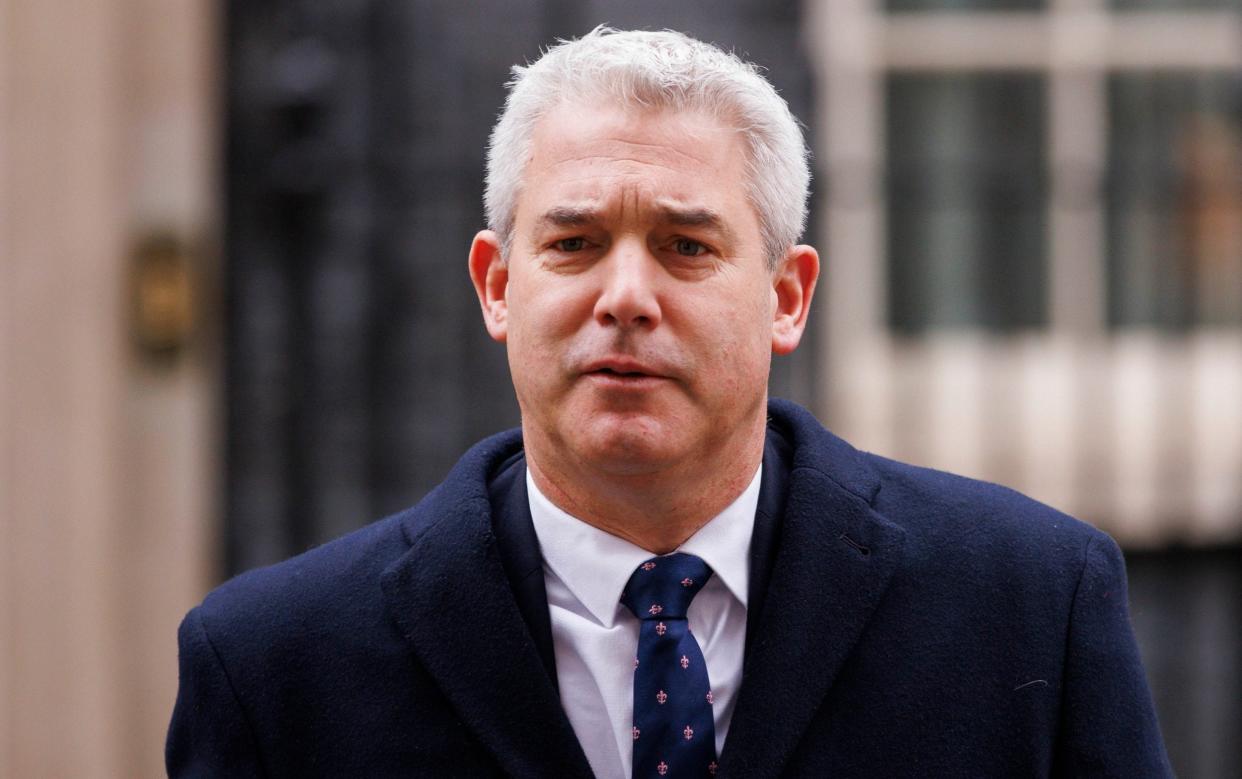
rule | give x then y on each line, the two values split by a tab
628	296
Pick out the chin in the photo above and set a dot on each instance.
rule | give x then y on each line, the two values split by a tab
626	446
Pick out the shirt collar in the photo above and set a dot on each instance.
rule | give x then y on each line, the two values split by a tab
595	565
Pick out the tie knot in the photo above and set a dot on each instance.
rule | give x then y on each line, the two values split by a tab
663	587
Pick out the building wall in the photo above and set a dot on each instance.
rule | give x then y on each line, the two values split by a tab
358	367
107	467
1032	227
112	451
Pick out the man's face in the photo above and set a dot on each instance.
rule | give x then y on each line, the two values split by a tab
636	303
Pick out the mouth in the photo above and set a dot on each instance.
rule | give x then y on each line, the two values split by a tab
623	373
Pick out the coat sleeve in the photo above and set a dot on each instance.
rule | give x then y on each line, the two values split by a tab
209	734
1108	722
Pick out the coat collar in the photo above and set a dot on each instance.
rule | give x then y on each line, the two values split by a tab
826	557
453	600
832	559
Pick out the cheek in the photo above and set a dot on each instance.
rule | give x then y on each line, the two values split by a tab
547	304
754	347
750	317
542	325
738	350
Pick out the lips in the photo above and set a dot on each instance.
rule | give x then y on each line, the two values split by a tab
624	372
623	368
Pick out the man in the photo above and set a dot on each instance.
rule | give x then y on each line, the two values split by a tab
662	573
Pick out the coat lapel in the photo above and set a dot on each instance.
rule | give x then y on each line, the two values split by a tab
452	595
833	561
452	600
520	555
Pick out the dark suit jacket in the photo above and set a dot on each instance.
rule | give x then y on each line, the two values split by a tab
903	622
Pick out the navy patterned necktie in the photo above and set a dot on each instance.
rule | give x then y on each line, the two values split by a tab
674	731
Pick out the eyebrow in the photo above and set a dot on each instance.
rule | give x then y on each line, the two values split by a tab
568	216
563	216
691	217
703	218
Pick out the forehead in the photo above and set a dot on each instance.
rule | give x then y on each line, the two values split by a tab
606	156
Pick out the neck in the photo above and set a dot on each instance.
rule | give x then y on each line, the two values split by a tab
655	510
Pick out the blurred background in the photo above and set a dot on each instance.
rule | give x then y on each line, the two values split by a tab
235	319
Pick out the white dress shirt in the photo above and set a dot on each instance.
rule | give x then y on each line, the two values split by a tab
595	637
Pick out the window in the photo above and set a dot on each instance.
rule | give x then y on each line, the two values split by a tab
1174	200
966	201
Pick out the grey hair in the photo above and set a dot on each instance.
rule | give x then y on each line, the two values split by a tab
666	70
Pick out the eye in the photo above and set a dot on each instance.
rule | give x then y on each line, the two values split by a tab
688	248
570	244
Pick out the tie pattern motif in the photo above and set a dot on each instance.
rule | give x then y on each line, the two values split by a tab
674	729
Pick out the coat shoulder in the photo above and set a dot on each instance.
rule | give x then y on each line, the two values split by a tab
334	577
957	531
342	575
982	536
935	509
925	500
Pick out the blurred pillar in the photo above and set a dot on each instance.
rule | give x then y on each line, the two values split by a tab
107	455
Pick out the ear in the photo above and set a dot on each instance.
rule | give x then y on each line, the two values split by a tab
490	275
793	285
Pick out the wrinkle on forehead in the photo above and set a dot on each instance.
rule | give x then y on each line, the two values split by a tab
626	163
646	153
627	159
614	134
629	165
570	158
